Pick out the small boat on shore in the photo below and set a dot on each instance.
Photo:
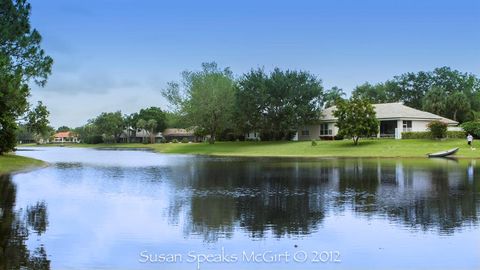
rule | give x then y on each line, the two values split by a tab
443	153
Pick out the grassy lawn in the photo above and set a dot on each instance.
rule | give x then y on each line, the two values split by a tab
12	163
366	148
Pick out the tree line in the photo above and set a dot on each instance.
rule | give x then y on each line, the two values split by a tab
276	104
109	126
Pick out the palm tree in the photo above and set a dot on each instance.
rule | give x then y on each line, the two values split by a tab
332	95
142	124
151	126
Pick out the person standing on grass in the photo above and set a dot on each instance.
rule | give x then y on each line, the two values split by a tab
469	140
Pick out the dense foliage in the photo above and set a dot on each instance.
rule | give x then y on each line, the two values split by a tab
449	93
110	125
356	118
472	128
21	60
279	103
153	113
205	98
38	123
332	96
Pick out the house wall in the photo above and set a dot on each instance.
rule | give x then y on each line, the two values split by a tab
313	133
419	125
334	129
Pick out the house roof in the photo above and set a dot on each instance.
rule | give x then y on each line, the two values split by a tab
177	132
65	134
393	111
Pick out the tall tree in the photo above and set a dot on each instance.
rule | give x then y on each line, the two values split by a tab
175	120
154	113
356	119
63	129
372	93
129	124
333	95
434	101
251	101
110	125
411	88
21	60
38	123
89	133
142	125
278	104
458	106
205	97
151	126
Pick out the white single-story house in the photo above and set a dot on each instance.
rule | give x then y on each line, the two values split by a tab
394	119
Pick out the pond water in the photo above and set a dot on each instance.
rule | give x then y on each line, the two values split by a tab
119	209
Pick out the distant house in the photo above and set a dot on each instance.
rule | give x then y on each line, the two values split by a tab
394	119
252	136
139	135
179	134
65	137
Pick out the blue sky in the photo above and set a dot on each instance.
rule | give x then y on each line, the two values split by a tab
118	54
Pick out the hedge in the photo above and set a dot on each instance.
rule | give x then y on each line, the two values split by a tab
456	134
428	135
416	135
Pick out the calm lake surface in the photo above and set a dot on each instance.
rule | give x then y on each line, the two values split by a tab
119	209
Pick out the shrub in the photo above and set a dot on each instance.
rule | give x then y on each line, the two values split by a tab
416	135
314	143
94	139
174	141
438	129
185	140
472	127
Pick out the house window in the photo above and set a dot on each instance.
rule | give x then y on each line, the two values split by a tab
305	132
324	130
407	125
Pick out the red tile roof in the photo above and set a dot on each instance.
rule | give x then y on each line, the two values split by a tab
65	134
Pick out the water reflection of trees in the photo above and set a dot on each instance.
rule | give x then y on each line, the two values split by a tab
14	231
289	198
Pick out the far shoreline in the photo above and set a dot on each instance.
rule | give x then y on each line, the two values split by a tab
375	148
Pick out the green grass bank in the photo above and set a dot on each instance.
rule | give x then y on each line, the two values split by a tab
12	163
366	148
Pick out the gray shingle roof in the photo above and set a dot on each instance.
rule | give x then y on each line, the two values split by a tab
393	111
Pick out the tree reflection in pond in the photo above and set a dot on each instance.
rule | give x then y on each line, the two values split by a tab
292	198
15	226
